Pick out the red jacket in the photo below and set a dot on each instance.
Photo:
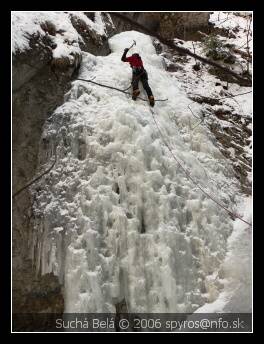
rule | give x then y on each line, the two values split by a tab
134	60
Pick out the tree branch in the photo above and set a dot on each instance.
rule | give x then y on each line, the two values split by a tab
246	82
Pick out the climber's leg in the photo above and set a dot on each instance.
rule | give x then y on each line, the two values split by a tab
144	80
135	81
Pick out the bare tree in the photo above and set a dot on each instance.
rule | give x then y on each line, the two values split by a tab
248	49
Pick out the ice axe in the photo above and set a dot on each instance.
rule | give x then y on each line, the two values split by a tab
134	43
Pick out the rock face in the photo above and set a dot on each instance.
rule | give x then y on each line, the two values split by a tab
168	24
92	42
40	80
233	133
234	138
226	117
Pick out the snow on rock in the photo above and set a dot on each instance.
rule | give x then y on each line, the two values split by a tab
117	218
239	30
237	22
225	108
64	35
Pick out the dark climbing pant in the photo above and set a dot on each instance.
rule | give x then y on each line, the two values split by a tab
143	77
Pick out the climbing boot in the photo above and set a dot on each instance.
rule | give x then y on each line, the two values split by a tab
151	101
135	94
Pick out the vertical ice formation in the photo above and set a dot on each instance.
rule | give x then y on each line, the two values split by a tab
117	218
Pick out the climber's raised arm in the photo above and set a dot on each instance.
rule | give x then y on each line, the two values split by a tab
124	58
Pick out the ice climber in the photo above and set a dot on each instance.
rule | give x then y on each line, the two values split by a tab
138	74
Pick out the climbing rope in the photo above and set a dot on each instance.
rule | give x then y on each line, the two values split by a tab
166	144
174	157
190	177
37	178
118	89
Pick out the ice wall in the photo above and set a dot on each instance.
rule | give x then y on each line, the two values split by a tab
117	218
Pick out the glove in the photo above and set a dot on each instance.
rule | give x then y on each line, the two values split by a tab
126	50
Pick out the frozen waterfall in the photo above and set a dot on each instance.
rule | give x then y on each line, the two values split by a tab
117	218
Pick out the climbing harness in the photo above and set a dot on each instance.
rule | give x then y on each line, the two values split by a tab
137	77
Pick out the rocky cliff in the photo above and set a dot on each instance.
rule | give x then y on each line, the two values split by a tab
168	24
47	52
59	222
